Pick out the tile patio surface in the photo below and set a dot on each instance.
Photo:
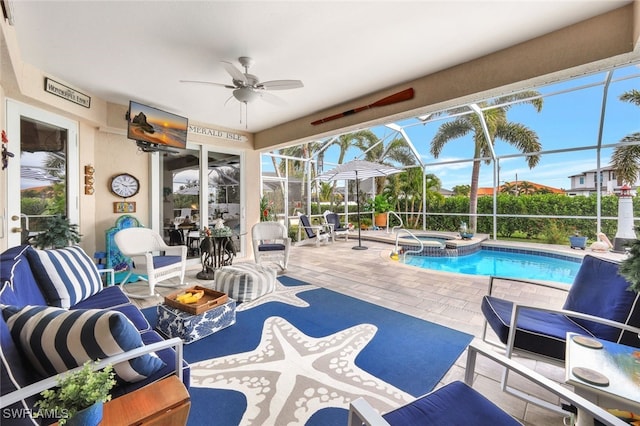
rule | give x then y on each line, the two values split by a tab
451	300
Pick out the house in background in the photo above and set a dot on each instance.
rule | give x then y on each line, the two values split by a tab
585	183
523	187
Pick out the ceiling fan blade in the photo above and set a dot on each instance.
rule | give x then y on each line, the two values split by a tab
234	72
272	99
211	83
280	84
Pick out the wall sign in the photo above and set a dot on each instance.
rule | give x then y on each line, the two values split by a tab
223	134
66	92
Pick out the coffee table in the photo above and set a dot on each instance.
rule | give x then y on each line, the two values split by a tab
606	373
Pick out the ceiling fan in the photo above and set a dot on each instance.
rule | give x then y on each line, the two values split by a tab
247	87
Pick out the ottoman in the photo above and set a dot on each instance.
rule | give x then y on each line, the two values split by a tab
173	322
245	281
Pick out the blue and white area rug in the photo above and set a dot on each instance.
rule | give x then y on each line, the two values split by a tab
298	356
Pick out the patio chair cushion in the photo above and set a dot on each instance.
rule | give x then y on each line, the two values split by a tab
600	291
245	281
271	247
538	332
453	404
56	340
66	276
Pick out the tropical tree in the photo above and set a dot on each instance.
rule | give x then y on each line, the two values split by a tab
626	158
515	134
397	151
526	188
461	190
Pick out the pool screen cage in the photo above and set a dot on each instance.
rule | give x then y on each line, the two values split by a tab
289	174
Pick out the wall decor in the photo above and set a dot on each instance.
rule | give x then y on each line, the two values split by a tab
66	92
89	180
124	207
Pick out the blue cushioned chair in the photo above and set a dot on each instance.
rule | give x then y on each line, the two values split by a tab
315	234
335	227
152	257
598	304
271	242
457	403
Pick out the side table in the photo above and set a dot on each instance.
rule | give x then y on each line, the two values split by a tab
216	252
605	373
163	403
173	322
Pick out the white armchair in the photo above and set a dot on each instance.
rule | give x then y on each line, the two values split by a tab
152	257
271	242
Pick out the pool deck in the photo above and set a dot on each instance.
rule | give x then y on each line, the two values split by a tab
451	300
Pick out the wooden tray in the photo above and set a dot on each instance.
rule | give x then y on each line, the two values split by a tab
209	300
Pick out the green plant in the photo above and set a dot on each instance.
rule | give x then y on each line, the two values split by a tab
630	267
77	391
379	204
59	233
266	210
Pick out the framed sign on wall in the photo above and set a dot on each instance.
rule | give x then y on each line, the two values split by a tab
124	207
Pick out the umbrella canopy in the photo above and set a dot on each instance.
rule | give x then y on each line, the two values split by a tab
358	169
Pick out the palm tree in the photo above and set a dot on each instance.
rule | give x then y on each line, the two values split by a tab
515	134
396	151
626	158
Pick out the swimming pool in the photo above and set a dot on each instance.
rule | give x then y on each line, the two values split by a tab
507	264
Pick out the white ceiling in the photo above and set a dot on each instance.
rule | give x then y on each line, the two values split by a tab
122	50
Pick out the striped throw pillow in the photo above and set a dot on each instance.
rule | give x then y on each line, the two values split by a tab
56	340
66	276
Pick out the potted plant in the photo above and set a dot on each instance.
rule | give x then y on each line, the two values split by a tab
59	233
79	397
578	241
630	266
380	206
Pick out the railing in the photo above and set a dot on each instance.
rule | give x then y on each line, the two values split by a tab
393	229
404	255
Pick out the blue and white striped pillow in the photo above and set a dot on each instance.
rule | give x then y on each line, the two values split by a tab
66	276
56	340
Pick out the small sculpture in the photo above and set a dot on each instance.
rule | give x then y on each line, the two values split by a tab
603	244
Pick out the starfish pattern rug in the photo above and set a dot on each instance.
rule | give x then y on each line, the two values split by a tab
299	355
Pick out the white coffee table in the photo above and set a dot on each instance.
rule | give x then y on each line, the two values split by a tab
615	378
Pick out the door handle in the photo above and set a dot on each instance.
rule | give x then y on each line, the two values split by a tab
16	230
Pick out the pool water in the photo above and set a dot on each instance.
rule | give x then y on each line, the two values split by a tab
506	264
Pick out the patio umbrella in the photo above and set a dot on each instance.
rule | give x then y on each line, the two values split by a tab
357	169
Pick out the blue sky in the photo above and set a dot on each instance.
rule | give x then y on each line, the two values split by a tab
567	120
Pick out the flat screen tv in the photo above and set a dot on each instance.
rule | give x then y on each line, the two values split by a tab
154	129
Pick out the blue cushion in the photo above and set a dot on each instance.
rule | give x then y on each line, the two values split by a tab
66	276
56	340
271	247
23	290
160	261
14	375
599	290
452	404
167	355
539	332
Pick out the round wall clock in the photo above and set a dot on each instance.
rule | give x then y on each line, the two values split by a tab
124	185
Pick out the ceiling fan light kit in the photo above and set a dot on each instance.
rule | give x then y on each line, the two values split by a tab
247	87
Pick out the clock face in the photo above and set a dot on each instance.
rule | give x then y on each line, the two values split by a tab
124	185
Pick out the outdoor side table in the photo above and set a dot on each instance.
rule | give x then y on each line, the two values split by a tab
173	322
606	375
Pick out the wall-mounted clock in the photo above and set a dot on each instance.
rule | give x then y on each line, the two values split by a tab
124	185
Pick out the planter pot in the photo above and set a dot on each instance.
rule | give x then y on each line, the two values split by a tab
578	242
466	235
381	220
90	416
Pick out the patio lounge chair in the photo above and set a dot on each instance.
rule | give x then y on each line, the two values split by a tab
335	227
598	304
271	242
458	403
315	234
152	257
